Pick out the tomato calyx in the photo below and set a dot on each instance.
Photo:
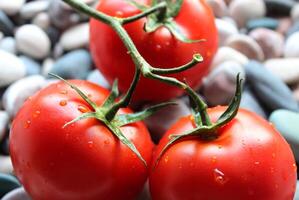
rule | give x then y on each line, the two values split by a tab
164	16
103	114
206	130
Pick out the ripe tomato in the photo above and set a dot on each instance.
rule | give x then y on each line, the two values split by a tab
81	161
160	48
249	160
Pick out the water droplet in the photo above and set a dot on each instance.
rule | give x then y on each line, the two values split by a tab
63	92
119	14
158	47
273	155
166	159
214	159
219	177
27	124
256	162
90	144
272	170
295	167
63	103
180	166
106	142
82	109
36	114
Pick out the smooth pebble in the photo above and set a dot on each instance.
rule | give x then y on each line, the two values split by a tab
6	25
266	22
250	102
246	45
297	192
244	10
33	41
12	68
7	183
287	123
11	7
31	9
6	165
17	194
287	69
17	93
295	13
291	48
75	37
96	77
73	65
42	20
268	88
8	44
279	7
218	7
271	42
32	67
4	119
293	29
225	30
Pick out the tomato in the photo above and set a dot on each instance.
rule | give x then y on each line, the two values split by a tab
159	48
249	160
81	161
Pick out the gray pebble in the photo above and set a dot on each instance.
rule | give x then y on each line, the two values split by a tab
32	67
293	29
225	30
32	8
250	102
295	13
268	88
17	194
73	65
6	165
222	80
33	41
4	120
287	69
287	123
11	68
8	44
271	42
7	183
218	7
279	7
244	10
75	37
297	192
6	25
96	77
247	46
17	93
47	66
291	48
11	7
266	22
42	20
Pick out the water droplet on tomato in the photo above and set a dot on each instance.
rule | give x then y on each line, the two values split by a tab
90	144
63	92
272	170
166	159
295	167
119	14
158	47
82	109
273	155
63	103
256	162
180	166
106	142
220	177
219	147
27	124
214	159
36	114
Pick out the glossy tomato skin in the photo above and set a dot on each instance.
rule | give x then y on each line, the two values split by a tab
81	161
159	48
249	160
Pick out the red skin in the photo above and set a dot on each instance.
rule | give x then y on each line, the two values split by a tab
160	48
82	161
249	161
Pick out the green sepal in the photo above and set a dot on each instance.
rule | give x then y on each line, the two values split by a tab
83	116
125	119
112	96
138	5
152	24
174	8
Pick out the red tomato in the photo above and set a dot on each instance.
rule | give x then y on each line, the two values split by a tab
83	161
160	48
249	160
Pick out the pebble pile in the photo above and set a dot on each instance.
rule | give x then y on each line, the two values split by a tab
257	38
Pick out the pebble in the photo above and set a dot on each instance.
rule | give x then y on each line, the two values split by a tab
297	192
218	7
75	37
279	7
47	66
246	45
17	93
1	35
4	119
291	48
96	77
42	20
295	13
296	93
6	165
269	89
287	69
222	80
284	25
32	67
6	25
17	194
33	41
225	54
8	183
266	22
73	65
11	68
225	30
293	29
271	42
8	44
11	7
250	102
244	10
31	9
169	115
287	123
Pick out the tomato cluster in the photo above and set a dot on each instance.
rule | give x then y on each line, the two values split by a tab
248	159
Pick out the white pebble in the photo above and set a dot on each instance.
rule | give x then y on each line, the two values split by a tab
8	44
31	9
291	48
225	30
11	7
4	119
6	165
42	20
295	13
